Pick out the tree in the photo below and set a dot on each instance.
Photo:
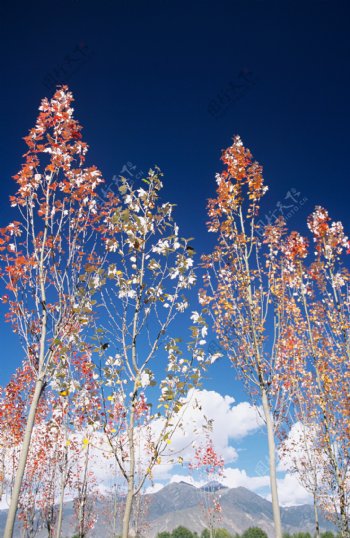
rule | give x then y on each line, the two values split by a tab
13	409
181	532
78	418
301	454
54	460
238	286
207	462
164	534
313	351
254	532
84	500
222	533
38	493
45	252
143	290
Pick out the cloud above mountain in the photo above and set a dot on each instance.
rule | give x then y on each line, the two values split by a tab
208	415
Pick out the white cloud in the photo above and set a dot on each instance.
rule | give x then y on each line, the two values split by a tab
230	422
295	449
303	463
189	479
291	492
4	503
234	478
157	486
245	419
237	421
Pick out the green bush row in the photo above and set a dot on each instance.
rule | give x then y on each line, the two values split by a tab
252	532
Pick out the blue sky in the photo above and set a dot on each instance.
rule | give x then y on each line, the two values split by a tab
170	83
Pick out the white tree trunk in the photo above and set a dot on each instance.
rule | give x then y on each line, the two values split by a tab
63	487
115	512
131	476
83	499
317	524
272	461
11	516
2	474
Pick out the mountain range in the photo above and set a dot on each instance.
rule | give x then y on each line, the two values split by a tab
183	504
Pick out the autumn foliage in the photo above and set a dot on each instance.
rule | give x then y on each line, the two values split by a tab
93	288
281	311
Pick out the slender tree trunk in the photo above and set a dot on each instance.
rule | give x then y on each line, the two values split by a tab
128	507
39	386
115	510
131	473
265	402
63	487
272	461
2	475
344	519
131	476
82	504
11	516
31	532
60	513
317	523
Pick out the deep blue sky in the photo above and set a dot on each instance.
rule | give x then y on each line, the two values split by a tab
148	78
147	72
153	68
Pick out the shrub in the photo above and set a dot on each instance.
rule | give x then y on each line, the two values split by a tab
254	532
181	532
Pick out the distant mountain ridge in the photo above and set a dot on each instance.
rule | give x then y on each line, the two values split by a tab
181	503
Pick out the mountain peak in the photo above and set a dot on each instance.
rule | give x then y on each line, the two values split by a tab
212	486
